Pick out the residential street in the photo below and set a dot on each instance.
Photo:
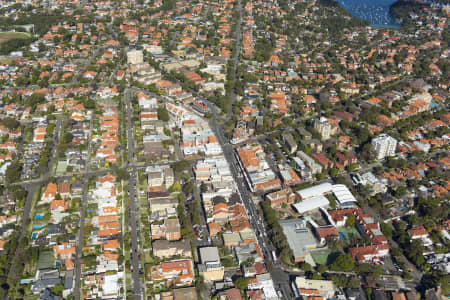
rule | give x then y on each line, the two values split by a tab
83	207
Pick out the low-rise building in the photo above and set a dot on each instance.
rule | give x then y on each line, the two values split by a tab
210	268
299	237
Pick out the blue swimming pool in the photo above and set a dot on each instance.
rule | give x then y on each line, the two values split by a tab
434	104
34	235
39	217
38	226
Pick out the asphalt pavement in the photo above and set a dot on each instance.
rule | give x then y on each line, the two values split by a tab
133	213
79	245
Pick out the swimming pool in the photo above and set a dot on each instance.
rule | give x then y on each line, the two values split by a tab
38	226
39	217
434	104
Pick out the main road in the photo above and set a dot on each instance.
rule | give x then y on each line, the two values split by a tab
280	277
133	213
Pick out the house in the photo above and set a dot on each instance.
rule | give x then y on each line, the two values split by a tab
173	273
248	250
188	293
289	176
420	233
170	230
324	232
230	294
50	192
369	253
64	189
323	160
290	142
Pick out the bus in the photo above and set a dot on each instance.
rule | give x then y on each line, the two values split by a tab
274	255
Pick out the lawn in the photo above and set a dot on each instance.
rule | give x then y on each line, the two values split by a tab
61	168
6	36
321	257
348	232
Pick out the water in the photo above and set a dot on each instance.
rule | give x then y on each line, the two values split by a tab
38	226
374	11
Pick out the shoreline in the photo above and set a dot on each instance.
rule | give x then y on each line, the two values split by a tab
395	25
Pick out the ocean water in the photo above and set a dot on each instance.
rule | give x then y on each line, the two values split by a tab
374	11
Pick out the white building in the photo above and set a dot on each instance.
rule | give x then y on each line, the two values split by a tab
308	287
135	57
324	127
384	146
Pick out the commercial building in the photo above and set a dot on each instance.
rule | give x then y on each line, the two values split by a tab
384	146
310	288
299	237
210	268
279	197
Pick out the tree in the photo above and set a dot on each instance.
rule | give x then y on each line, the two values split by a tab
354	283
10	123
386	229
203	187
163	114
180	166
351	220
241	283
58	289
322	269
305	267
13	172
175	188
334	172
343	262
35	99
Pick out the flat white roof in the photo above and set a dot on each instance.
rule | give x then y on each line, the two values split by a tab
311	203
343	194
316	190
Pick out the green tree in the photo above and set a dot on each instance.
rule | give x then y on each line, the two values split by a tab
241	283
305	267
10	123
343	262
322	269
386	229
58	289
175	188
180	166
163	114
12	173
351	220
